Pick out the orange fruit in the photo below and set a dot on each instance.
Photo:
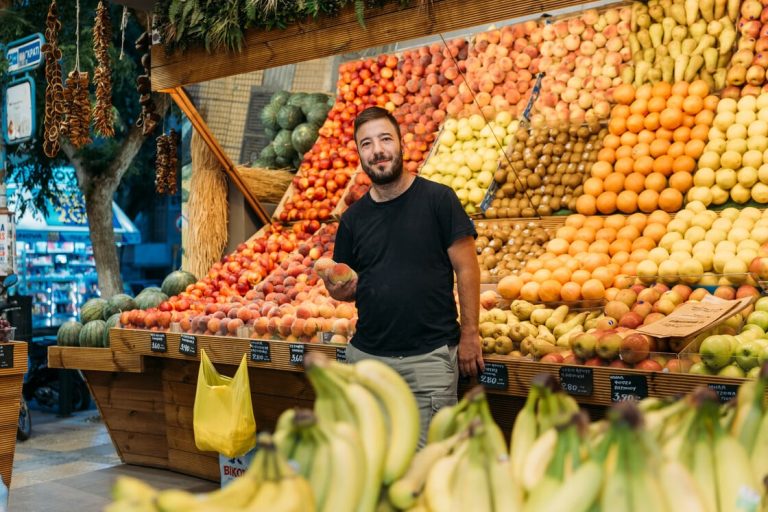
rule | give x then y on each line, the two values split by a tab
710	102
635	122
651	121
694	148
599	246
626	201
655	231
643	165
624	152
624	94
591	224
606	155
620	111
699	88
693	105
566	233
606	202
656	104
593	186
641	149
611	141
659	147
639	107
689	121
663	133
634	182
615	221
705	117
684	163
577	247
680	88
624	165
663	165
655	181
682	181
617	125
675	102
580	276
629	138
638	220
648	200
601	169
586	204
676	149
644	91
614	182
642	243
576	220
670	118
605	234
570	291
659	217
662	90
628	233
619	246
670	199
646	137
561	274
682	134
700	132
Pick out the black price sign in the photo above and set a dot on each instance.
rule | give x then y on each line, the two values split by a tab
188	345
6	356
577	380
628	387
494	376
341	354
725	392
158	342
297	353
260	352
325	336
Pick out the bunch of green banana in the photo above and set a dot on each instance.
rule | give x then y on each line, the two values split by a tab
269	484
750	422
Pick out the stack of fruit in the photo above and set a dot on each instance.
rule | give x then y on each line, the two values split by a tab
749	64
657	134
468	154
503	247
98	316
544	169
734	163
291	122
682	40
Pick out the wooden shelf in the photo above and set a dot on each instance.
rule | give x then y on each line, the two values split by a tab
11	380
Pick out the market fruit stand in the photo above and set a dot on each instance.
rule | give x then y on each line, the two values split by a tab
144	383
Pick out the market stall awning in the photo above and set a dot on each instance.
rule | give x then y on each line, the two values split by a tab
68	222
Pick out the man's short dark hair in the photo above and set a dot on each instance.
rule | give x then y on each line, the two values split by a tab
372	113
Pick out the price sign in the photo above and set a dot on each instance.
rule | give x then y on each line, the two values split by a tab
325	336
188	345
297	353
158	342
495	376
577	380
725	392
260	352
6	356
628	387
341	354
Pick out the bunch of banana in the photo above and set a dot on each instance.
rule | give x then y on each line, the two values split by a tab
675	40
269	485
750	422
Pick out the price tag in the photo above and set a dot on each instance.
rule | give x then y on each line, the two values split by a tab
297	353
6	356
628	387
725	392
158	342
188	345
325	336
577	380
260	352
341	354
495	376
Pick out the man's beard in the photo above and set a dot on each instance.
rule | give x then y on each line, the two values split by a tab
385	177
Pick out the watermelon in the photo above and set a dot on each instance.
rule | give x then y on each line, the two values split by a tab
303	137
281	162
152	299
296	162
92	334
68	334
318	114
270	133
283	145
117	304
111	322
151	289
177	281
289	117
297	99
268	116
280	98
264	164
92	310
268	155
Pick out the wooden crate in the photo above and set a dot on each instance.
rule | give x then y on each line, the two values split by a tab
11	380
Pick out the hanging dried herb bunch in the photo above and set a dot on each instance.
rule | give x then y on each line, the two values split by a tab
54	89
103	116
167	163
148	118
76	125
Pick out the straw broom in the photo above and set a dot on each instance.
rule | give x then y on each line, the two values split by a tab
206	232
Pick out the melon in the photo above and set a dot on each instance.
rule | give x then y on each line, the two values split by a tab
317	114
119	303
303	137
297	99
268	116
146	300
177	281
271	133
289	117
92	334
280	98
111	322
68	334
92	310
151	289
268	155
284	145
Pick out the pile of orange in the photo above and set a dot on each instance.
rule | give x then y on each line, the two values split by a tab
590	258
656	135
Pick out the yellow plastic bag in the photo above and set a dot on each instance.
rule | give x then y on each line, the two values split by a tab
223	414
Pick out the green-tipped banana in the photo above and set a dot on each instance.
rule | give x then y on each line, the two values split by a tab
524	434
579	492
444	422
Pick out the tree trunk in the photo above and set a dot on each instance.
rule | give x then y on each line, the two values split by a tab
98	205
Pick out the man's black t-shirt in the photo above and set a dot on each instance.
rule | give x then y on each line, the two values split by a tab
399	249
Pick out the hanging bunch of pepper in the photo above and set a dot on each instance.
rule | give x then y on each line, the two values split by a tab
103	116
54	89
148	118
76	124
167	163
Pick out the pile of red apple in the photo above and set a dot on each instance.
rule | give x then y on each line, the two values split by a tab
747	73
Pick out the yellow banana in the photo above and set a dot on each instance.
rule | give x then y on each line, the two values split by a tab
438	491
444	423
579	492
737	487
681	490
759	453
176	500
616	490
538	458
471	491
348	466
321	472
133	489
702	469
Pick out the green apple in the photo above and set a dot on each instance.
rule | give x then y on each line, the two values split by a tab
716	351
752	332
700	369
747	355
758	318
732	371
761	304
754	373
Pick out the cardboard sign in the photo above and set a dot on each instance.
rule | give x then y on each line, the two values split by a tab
694	317
577	380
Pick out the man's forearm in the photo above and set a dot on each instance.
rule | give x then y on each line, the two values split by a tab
468	284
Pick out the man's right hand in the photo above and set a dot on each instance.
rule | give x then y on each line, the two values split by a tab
345	291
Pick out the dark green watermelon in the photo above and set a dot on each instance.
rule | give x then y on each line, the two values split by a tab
304	137
297	99
289	117
268	154
283	145
317	115
271	133
280	98
281	162
269	116
117	304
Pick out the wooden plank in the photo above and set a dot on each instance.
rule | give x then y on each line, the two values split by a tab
341	34
183	439
150	461
195	464
87	358
133	421
140	443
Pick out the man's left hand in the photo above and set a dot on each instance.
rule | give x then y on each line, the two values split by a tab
470	356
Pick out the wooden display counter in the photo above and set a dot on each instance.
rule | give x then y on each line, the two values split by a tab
146	395
13	366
